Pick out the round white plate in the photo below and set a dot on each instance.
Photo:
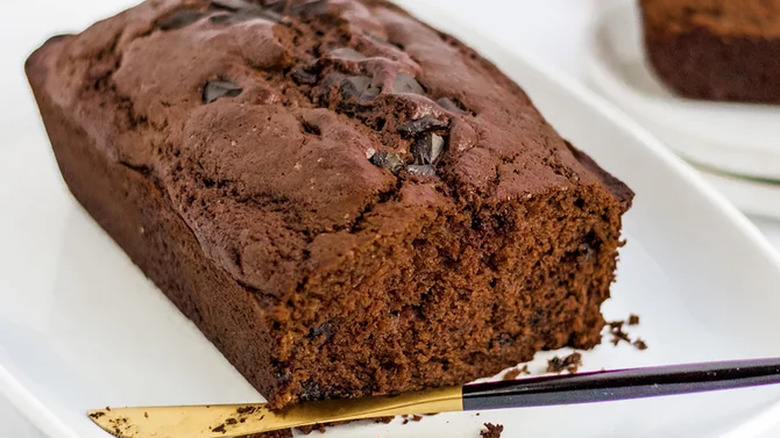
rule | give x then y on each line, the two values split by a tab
741	139
752	196
80	326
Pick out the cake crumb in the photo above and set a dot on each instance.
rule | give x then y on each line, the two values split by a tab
492	431
512	374
386	420
515	372
619	335
616	329
570	363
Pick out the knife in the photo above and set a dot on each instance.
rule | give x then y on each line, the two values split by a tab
225	421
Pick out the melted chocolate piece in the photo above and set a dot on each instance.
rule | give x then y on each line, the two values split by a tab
243	11
387	160
181	18
231	5
311	390
427	149
217	89
301	76
413	128
309	8
347	53
358	88
325	330
421	170
407	84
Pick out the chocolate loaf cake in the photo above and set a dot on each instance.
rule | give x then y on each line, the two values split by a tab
344	200
716	49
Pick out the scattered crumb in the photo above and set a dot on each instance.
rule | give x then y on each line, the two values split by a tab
515	372
309	429
477	414
387	420
284	433
417	418
616	329
146	415
492	431
573	362
512	374
570	363
405	422
618	334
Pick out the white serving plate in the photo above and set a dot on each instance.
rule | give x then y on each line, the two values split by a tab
80	326
751	196
737	138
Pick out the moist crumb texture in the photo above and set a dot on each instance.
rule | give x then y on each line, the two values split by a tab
715	49
345	201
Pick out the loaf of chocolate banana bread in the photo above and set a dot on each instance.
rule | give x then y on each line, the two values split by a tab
344	200
716	49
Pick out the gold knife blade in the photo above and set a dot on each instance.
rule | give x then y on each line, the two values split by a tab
227	421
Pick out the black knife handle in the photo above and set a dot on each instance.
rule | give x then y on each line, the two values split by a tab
621	384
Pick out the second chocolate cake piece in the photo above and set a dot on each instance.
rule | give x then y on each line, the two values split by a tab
716	49
346	202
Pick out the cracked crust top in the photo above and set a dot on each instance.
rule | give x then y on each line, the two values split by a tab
278	139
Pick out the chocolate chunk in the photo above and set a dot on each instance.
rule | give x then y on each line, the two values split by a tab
347	53
407	84
228	19
310	8
231	5
325	330
421	170
427	149
244	11
218	89
388	160
633	319
359	88
414	128
505	339
181	18
311	390
451	106
301	76
296	8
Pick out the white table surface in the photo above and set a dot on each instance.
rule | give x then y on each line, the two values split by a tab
552	30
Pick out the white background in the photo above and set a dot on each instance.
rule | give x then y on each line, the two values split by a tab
553	30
